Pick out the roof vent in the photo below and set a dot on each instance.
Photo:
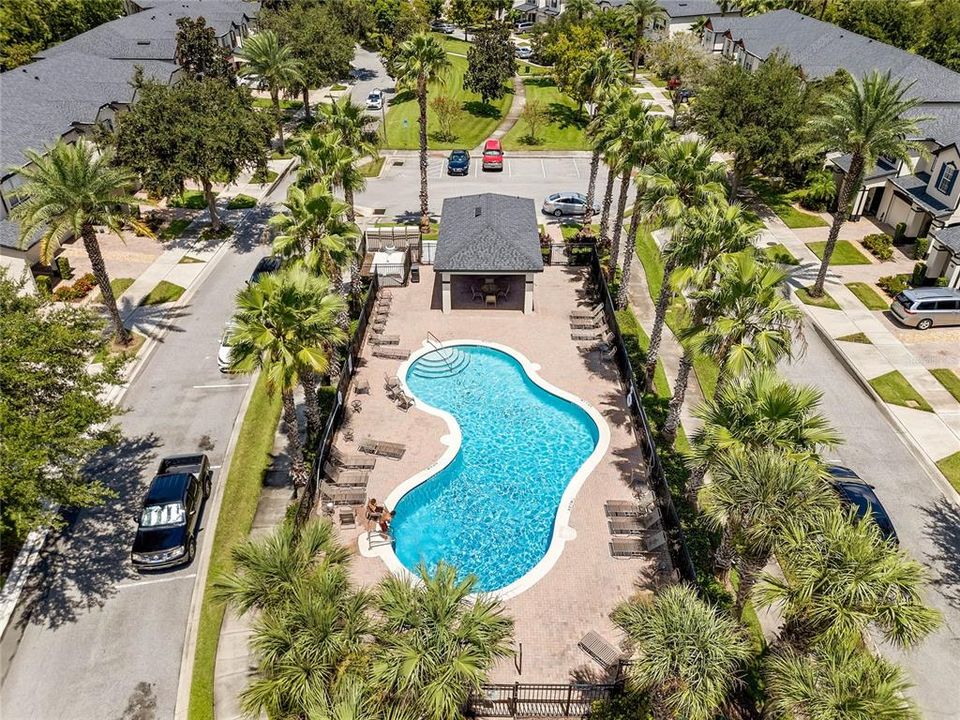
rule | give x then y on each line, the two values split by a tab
143	42
476	213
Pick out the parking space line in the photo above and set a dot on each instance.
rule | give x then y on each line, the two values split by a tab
577	168
156	581
543	168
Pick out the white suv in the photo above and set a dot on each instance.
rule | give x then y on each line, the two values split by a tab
375	100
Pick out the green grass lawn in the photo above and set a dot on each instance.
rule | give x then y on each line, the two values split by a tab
458	46
950	467
475	125
868	296
190	199
844	253
175	228
824	301
631	330
644	96
189	260
125	352
118	285
948	378
654	80
565	129
858	337
164	292
779	254
240	202
894	388
780	202
265	177
241	493
373	167
528	68
285	105
654	107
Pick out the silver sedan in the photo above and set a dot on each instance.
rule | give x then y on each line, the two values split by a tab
566	203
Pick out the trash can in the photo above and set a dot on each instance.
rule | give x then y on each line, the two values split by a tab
415	274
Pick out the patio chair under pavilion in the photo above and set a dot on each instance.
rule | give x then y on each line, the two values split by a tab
486	243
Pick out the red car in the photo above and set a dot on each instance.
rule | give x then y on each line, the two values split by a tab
492	155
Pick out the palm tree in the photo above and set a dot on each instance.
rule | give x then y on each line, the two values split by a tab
602	131
274	64
841	580
682	176
281	330
349	122
355	699
756	411
638	13
422	61
841	682
579	8
865	120
755	495
642	152
703	235
70	190
436	645
686	654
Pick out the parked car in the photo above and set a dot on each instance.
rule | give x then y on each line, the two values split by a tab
375	100
566	203
492	155
860	496
223	353
524	26
268	264
524	52
443	27
925	307
169	520
458	163
685	94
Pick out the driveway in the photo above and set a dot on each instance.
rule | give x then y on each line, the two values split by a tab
926	521
99	641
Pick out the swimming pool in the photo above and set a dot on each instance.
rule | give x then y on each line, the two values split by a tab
519	453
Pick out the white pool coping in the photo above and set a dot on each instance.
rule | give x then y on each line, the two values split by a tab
562	531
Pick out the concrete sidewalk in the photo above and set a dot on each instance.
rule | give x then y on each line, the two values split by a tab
935	434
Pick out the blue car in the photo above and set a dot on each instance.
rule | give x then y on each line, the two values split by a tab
458	163
857	494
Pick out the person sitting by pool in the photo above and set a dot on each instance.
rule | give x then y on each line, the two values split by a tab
385	517
373	513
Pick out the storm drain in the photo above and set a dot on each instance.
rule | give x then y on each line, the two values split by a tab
398	163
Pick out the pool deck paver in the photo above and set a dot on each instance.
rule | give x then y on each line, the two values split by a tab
586	583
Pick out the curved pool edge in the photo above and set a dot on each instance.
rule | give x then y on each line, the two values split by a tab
562	531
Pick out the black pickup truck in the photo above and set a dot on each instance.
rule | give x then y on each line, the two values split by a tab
167	524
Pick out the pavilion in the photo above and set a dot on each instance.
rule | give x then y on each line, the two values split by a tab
488	244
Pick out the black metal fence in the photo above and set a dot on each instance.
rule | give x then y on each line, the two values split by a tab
679	552
532	700
352	356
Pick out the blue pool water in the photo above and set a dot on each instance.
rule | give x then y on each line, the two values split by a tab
491	511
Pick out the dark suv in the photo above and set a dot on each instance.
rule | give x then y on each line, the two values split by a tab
458	163
859	495
168	523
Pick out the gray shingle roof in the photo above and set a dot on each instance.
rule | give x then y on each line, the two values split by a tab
883	168
949	236
488	233
10	236
916	187
689	8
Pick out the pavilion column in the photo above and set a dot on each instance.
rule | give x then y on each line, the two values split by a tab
446	297
528	293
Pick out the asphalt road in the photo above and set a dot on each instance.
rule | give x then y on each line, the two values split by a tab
927	523
100	641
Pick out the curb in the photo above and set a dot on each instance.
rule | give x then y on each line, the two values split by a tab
895	422
189	653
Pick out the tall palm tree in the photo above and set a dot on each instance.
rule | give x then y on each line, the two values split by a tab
421	62
603	131
756	411
842	579
683	175
686	654
865	120
643	151
704	234
840	682
755	495
639	13
281	330
350	123
601	80
70	190
355	699
265	58
436	645
579	8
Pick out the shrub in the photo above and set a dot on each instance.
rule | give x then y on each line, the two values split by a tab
920	249
43	285
919	274
63	267
880	245
941	282
79	289
818	192
241	202
899	232
893	284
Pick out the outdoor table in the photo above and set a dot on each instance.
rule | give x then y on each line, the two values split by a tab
490	288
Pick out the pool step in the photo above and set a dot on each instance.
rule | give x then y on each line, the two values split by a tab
440	363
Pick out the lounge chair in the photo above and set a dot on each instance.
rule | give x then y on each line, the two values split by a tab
587	323
347	517
622	508
391	353
391	381
385	340
345	478
343	495
594	313
600	650
384	300
386	294
381	447
403	401
603	344
635	525
378	328
352	461
361	386
609	354
637	547
596	335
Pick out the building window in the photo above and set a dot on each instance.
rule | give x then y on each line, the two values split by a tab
948	176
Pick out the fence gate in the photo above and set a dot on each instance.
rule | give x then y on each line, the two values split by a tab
530	700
